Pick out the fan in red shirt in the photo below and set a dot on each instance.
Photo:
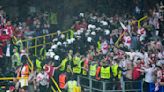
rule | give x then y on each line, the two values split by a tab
136	74
9	28
4	36
77	25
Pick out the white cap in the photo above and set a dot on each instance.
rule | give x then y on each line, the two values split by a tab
52	54
88	30
104	23
59	43
58	32
78	37
56	39
62	36
89	39
93	26
56	57
98	28
69	41
54	46
72	40
90	26
81	14
93	33
64	43
87	33
107	32
50	50
47	53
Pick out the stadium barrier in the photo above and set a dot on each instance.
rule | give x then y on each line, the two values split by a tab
89	84
39	41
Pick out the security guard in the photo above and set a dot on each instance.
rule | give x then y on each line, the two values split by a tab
63	65
38	65
77	64
105	71
116	71
92	68
71	85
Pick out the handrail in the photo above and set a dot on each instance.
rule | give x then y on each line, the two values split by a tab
53	80
91	88
12	78
32	65
44	36
53	89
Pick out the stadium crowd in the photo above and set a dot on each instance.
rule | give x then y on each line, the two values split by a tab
87	49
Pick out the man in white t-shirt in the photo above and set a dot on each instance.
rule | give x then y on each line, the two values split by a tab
149	79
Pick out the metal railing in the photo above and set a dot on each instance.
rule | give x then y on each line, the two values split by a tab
39	41
89	84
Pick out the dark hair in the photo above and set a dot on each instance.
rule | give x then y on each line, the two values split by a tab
24	59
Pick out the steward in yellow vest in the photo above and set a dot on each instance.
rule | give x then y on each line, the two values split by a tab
92	69
116	71
105	71
77	65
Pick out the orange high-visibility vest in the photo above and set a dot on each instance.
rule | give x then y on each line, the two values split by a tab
98	72
25	71
62	80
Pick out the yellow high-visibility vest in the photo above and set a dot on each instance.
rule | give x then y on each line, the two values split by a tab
71	85
63	63
114	70
38	65
105	73
93	70
77	69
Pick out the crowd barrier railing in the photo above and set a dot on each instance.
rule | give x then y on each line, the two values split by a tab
89	84
39	41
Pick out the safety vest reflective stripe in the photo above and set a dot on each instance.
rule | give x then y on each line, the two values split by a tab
105	72
62	68
77	69
71	85
62	80
114	69
93	70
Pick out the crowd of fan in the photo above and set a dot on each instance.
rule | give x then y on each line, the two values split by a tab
140	53
92	39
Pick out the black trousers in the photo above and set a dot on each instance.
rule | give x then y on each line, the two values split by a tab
43	88
7	61
146	87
